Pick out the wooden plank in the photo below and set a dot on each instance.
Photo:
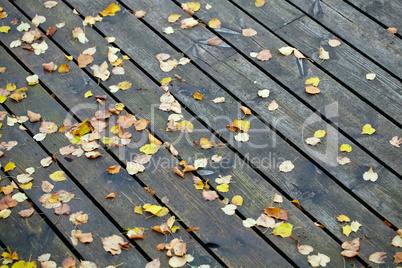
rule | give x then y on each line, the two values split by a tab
286	70
227	74
337	227
245	178
345	63
387	12
97	181
195	107
359	31
98	224
30	237
256	248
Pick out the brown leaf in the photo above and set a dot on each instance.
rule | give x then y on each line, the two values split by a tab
377	257
47	127
277	213
264	55
154	264
113	244
110	196
51	31
85	237
178	172
64	209
210	195
69	262
84	60
141	124
248	32
49	67
26	213
351	248
214	41
398	257
33	117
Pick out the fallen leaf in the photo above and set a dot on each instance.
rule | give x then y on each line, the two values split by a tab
273	106
219	100
355	225
264	93
278	198
347	230
264	55
259	3
185	126
370	175
32	79
304	249
278	213
229	209
248	32
26	213
324	55
9	166
351	248
173	18
265	221
320	133
111	10
140	14
283	230
38	20
64	68
134	168
5	213
286	166
397	241
377	257
395	141
113	169
313	141
343	218
209	195
188	23
237	200
346	148
342	160
334	43
47	127
58	176
242	137
101	71
49	67
245	110
113	244
368	129
318	260
214	41
286	51
197	96
47	187
398	257
392	30
312	90
249	222
215	23
314	81
84	60
370	76
168	30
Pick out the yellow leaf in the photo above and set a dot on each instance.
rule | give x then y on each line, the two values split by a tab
69	57
173	18
124	85
82	129
313	81
286	51
58	176
259	3
237	200
324	55
346	230
368	129
88	94
185	126
11	87
4	29
150	149
346	148
197	96
64	68
194	6
138	210
153	209
163	212
243	125
26	186
370	76
2	99
125	57
165	81
354	226
115	129
107	140
343	218
9	166
320	133
113	169
283	230
223	188
199	185
110	10
215	23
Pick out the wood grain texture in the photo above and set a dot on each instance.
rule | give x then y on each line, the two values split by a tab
361	32
255	246
126	34
33	232
387	12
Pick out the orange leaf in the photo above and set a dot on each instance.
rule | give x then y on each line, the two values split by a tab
113	169
64	68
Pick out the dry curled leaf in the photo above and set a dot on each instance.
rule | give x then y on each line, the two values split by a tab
377	257
286	166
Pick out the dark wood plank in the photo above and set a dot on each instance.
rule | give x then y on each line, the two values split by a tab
30	237
345	63
129	192
360	31
387	12
286	69
187	99
245	176
98	224
254	245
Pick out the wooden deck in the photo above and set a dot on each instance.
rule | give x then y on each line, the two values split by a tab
315	192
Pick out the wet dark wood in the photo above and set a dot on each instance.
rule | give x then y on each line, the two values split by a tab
256	183
33	231
388	12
